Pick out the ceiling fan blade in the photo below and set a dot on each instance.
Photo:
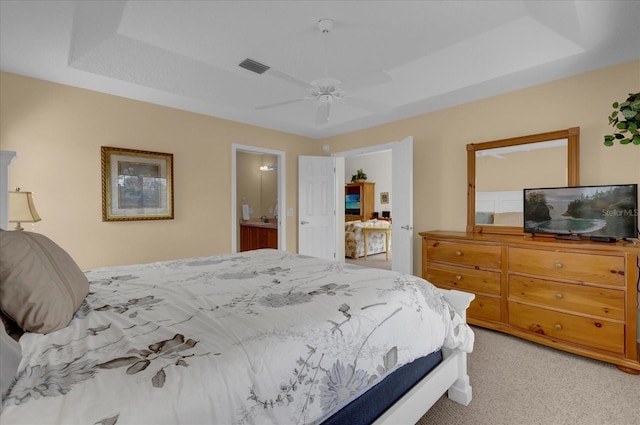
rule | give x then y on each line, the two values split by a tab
369	105
322	114
290	79
374	79
286	102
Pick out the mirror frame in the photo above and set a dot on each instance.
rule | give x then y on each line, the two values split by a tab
573	172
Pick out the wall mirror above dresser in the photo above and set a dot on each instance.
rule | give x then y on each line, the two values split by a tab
497	171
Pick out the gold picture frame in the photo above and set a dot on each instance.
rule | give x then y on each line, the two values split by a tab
384	197
136	185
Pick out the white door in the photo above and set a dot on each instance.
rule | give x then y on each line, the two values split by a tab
317	207
402	214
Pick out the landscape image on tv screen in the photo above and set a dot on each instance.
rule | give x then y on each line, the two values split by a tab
610	211
352	202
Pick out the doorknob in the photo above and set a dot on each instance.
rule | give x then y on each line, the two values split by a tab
304	222
407	227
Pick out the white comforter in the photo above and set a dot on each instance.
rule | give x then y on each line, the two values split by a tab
262	337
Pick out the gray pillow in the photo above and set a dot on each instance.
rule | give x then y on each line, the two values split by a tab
10	355
41	287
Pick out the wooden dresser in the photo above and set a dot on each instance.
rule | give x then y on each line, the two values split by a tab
577	296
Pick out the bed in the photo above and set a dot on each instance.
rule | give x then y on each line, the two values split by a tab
259	337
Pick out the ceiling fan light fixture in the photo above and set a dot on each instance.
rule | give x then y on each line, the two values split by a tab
325	90
325	25
325	98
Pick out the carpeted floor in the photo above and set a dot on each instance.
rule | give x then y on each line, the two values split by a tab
377	261
517	382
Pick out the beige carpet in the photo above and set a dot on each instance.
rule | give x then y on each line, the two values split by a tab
516	382
377	261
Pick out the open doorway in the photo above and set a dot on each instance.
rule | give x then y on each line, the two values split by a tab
402	194
367	238
257	198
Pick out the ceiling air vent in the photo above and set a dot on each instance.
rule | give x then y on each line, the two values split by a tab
254	66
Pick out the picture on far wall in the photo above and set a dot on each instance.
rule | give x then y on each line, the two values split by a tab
136	185
384	197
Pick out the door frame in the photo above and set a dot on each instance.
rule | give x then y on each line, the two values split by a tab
282	193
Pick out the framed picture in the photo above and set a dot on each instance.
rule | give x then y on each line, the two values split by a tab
136	185
384	197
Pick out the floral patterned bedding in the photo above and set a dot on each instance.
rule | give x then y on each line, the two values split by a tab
260	337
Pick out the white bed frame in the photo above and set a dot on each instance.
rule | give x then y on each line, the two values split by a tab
450	375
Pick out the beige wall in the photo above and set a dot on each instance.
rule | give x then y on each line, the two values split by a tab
58	130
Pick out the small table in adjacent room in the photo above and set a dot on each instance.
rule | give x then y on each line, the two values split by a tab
387	235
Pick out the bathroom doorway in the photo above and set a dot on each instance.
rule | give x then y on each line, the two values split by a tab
257	193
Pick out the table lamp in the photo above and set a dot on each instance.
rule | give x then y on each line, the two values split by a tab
22	209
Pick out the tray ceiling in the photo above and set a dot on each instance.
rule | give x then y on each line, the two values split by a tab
406	57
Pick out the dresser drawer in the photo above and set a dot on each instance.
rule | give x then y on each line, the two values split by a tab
464	278
601	269
483	307
487	256
594	333
601	302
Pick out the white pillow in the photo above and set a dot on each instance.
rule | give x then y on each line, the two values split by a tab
508	219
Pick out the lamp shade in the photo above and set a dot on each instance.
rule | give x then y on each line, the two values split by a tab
22	209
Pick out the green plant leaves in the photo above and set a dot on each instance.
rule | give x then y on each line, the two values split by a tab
608	140
625	118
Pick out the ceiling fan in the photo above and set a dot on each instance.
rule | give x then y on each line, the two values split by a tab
325	91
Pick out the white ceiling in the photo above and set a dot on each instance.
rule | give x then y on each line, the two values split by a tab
436	54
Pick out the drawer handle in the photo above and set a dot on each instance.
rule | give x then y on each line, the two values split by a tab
458	253
559	296
558	265
458	277
558	327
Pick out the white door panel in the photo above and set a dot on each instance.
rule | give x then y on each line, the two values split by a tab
316	206
402	214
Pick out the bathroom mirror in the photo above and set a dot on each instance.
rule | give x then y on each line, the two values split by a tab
497	172
257	184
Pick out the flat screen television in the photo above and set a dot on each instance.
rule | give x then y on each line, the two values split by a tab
352	204
583	211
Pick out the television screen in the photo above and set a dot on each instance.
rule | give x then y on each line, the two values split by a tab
352	203
607	211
